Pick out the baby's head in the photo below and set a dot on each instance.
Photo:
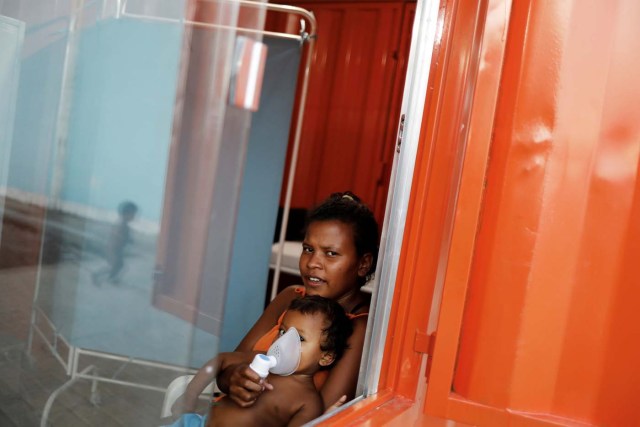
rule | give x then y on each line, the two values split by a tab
324	329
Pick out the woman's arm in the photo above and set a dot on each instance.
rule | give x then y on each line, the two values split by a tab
268	318
237	380
343	377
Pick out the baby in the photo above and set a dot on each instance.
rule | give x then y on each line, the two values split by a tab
324	329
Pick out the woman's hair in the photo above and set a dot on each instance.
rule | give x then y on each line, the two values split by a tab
339	327
347	208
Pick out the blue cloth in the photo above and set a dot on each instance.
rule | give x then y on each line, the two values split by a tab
190	420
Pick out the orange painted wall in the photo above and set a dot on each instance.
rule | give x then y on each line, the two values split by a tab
353	101
550	323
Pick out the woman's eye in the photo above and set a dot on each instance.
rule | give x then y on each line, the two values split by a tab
307	249
302	339
332	253
281	332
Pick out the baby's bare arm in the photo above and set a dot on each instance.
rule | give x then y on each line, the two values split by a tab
205	376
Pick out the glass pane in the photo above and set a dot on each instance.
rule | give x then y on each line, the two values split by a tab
122	181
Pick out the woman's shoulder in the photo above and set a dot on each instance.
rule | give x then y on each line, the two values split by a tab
292	292
282	300
360	309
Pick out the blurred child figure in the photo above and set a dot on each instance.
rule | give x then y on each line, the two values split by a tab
119	237
324	330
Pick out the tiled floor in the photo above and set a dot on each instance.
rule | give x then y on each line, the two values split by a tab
28	377
27	380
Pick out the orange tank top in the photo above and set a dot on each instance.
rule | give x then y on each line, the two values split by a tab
267	339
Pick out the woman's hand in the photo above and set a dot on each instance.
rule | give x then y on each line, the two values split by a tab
245	386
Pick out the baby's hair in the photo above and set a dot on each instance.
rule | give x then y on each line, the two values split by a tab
349	209
339	327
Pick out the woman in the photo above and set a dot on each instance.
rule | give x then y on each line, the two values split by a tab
338	256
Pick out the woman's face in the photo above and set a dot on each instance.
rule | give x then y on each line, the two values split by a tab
329	264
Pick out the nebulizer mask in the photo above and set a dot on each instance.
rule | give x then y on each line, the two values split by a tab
282	358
